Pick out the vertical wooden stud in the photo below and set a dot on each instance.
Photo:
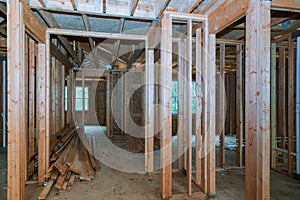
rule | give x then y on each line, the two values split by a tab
222	103
166	113
257	100
239	105
273	105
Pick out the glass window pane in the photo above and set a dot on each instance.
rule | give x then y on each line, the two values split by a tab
86	104
86	92
78	104
78	92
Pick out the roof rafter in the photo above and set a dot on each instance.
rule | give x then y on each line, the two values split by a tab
117	44
53	24
161	6
189	6
133	6
87	28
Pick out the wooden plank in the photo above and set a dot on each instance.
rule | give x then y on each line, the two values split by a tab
60	56
32	78
282	98
189	6
180	116
291	5
33	25
74	4
65	43
166	113
45	59
46	190
26	120
87	28
199	56
188	102
204	118
257	100
222	103
149	110
227	13
273	105
160	7
104	6
239	105
78	33
132	7
211	84
15	101
291	103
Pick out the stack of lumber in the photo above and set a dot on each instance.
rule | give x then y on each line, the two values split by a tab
69	160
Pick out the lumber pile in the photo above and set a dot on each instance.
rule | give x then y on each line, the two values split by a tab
69	160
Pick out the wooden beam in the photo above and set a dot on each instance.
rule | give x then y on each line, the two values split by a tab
180	116
117	44
222	104
199	56
291	102
104	6
41	115
67	32
211	112
16	101
239	104
65	43
33	25
291	5
87	28
42	2
160	7
74	4
60	56
273	105
3	9
166	113
188	103
189	5
149	111
32	78
257	100
282	126
132	7
226	14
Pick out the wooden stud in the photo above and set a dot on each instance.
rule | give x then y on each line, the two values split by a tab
199	60
239	105
180	116
204	117
166	113
282	98
188	102
149	111
31	134
291	103
108	105
211	84
257	100
41	115
16	101
222	103
45	56
273	105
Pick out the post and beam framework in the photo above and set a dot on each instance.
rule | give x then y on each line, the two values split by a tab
206	79
257	100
